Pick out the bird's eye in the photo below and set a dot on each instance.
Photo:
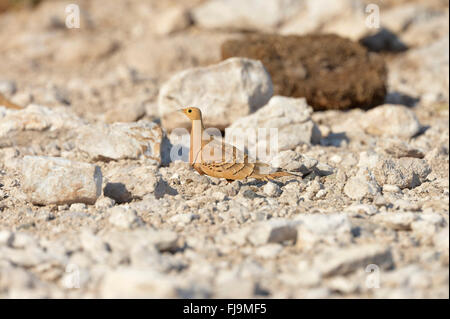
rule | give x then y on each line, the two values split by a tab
189	111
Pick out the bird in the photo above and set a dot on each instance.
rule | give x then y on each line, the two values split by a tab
8	104
213	157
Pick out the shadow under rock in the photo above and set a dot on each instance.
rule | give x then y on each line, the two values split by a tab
400	98
335	139
118	192
383	41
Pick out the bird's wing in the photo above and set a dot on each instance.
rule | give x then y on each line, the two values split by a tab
225	159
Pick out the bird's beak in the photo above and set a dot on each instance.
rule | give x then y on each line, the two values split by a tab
180	111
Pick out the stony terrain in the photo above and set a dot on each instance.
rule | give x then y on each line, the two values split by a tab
96	197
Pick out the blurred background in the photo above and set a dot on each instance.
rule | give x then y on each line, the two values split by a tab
112	66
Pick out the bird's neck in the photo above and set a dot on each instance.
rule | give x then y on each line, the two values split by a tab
197	129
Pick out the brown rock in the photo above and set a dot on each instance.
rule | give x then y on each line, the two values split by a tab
330	71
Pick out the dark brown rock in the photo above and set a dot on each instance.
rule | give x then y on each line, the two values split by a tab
330	71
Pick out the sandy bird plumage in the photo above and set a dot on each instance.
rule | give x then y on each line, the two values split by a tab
216	158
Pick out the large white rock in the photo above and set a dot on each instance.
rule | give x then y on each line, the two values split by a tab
248	15
224	92
391	120
23	126
289	118
121	141
52	180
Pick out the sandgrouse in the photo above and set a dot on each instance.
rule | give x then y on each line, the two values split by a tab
216	158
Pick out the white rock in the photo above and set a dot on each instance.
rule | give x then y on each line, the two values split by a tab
406	172
121	141
273	231
14	124
244	15
423	72
388	188
123	217
104	202
182	219
363	185
347	260
326	228
288	118
7	87
52	180
397	221
427	226
294	162
132	181
77	207
391	120
136	283
271	189
224	92
268	251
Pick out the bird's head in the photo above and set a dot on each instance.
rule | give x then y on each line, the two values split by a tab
192	113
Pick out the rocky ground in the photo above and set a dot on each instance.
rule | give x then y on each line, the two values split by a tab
96	199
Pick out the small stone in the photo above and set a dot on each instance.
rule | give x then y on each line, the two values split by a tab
363	209
273	231
123	217
361	186
271	189
321	193
219	196
388	188
104	203
52	180
78	207
7	87
182	219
